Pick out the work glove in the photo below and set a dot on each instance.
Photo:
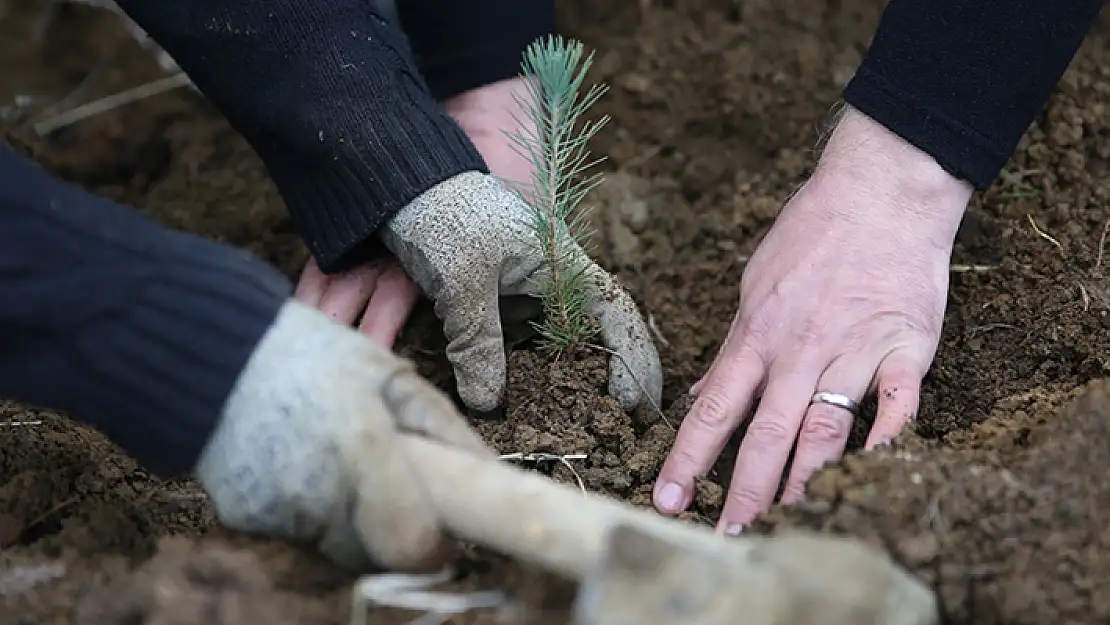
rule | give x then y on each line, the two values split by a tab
467	243
308	449
790	578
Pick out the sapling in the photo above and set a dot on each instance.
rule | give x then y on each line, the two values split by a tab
554	140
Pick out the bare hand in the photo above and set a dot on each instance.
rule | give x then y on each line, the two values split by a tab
846	294
379	296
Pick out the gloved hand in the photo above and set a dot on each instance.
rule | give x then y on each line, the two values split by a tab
307	446
466	243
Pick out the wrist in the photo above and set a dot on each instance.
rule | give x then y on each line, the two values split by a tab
491	108
865	157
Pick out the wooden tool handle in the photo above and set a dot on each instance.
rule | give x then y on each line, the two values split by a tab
533	518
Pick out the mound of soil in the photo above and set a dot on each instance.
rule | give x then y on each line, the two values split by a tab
993	498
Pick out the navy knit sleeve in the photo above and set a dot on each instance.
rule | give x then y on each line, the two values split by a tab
460	46
963	80
330	97
135	329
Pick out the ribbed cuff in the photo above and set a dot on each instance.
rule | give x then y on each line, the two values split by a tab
959	150
340	200
461	46
155	373
330	97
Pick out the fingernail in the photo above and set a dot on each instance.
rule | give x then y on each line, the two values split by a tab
670	497
734	529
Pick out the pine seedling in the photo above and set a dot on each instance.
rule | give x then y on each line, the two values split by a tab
555	142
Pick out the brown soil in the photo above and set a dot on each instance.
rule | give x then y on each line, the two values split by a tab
997	498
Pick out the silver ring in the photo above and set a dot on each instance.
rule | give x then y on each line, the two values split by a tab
836	399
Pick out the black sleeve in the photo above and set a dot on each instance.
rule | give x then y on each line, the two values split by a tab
962	80
329	96
460	46
137	330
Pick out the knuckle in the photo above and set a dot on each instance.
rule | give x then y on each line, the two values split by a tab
769	431
824	427
744	502
810	335
683	461
711	412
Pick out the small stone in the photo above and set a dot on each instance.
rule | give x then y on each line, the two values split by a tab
919	550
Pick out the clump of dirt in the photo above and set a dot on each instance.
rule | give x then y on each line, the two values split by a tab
1013	536
182	585
558	410
714	106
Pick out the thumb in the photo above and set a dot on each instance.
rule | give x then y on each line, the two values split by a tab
635	374
418	407
472	326
390	514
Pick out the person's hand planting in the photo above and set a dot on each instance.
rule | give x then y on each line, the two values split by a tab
378	296
466	243
842	297
306	448
469	242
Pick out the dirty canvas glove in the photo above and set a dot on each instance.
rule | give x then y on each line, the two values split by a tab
307	446
791	578
466	243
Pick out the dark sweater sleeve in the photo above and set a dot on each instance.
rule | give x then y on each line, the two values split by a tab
137	330
330	97
963	80
460	46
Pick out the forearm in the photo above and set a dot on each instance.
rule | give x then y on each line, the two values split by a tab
136	330
962	81
329	96
461	46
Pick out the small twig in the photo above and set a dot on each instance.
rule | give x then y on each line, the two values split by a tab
1102	244
656	331
75	94
408	592
992	326
640	158
40	519
543	457
971	268
636	379
114	101
19	423
1044	235
1085	296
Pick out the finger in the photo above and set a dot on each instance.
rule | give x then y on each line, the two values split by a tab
825	428
391	514
347	293
767	444
390	306
418	407
475	347
899	389
725	398
311	284
635	373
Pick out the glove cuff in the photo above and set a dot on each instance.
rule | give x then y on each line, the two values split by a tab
272	464
342	191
